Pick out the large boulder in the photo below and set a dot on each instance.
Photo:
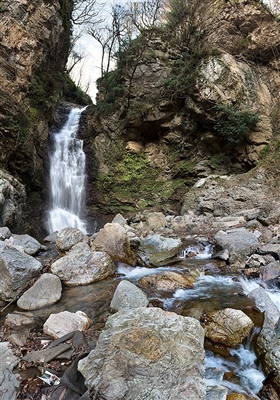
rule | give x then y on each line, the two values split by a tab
16	271
168	281
114	240
45	291
239	242
228	327
67	238
147	353
157	250
82	266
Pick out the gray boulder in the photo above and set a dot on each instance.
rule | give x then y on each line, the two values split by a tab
5	233
147	353
268	342
16	270
82	266
67	238
113	239
239	242
45	291
128	295
9	381
30	245
157	250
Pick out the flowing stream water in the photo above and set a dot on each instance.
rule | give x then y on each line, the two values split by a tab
67	177
239	371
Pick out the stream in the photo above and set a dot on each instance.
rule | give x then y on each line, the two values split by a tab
239	370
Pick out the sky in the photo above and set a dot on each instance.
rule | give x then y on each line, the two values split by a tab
86	72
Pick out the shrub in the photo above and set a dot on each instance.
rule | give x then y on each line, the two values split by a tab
234	125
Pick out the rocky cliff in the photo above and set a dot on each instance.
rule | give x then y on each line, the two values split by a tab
175	111
34	42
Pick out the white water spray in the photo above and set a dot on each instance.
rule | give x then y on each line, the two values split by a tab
67	177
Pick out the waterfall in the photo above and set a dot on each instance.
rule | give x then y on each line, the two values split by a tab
67	177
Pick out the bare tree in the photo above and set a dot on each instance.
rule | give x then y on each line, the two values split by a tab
84	11
109	35
147	14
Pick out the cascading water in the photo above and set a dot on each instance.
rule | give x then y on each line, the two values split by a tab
67	177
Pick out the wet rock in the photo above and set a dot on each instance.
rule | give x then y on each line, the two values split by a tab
29	245
229	327
147	353
216	393
168	281
128	295
45	291
268	345
265	305
5	233
236	396
9	381
16	271
268	393
114	240
58	325
239	242
157	250
67	238
82	266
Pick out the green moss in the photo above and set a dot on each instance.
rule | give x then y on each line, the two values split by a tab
134	182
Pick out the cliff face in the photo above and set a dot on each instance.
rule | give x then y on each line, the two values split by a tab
34	42
180	112
33	37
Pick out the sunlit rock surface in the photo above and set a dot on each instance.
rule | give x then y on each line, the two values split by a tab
147	353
